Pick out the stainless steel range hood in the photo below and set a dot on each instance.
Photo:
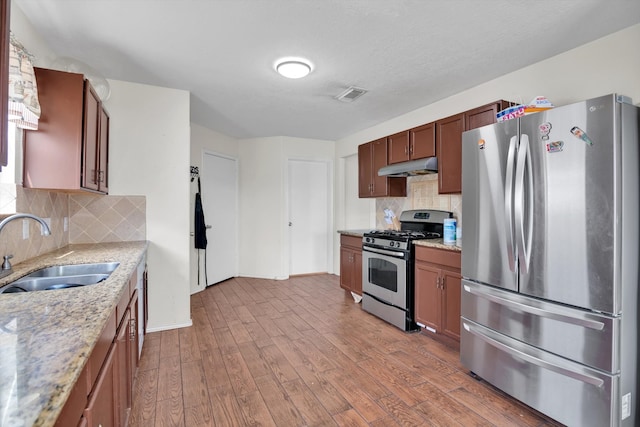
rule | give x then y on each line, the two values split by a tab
411	168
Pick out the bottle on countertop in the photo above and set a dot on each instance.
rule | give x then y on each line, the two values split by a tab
449	237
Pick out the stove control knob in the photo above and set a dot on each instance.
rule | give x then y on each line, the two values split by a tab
392	244
367	239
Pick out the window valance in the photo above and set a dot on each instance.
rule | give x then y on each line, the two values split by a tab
24	108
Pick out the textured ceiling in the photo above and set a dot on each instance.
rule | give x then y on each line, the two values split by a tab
406	53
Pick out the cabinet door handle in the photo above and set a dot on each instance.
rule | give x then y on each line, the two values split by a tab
100	176
442	283
132	329
406	150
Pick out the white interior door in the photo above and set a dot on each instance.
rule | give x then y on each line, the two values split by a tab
309	216
219	177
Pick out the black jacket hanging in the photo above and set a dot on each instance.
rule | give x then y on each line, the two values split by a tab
200	228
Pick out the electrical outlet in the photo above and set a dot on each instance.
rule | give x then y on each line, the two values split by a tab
25	229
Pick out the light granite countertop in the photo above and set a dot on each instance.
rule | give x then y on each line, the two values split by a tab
354	233
437	243
46	337
432	243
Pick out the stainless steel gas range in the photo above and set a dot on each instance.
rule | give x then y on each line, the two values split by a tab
387	266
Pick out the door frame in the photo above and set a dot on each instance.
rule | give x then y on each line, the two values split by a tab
286	235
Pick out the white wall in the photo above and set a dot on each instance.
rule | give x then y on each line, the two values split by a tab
203	139
607	65
149	155
264	246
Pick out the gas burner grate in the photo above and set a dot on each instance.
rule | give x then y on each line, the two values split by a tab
404	234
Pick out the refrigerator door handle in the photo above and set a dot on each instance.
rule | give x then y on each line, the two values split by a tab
508	202
546	313
523	203
523	355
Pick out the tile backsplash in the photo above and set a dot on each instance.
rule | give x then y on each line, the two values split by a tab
422	193
90	219
45	204
98	219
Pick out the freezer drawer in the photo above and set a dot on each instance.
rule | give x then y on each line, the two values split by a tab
566	391
583	336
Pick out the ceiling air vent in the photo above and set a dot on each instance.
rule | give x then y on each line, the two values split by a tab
351	94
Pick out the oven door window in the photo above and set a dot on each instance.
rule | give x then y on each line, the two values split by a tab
384	274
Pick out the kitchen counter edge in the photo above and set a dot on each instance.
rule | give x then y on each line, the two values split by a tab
431	243
52	333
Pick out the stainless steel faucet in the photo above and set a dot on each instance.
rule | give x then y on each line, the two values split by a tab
6	265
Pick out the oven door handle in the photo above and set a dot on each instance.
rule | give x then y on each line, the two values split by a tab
384	252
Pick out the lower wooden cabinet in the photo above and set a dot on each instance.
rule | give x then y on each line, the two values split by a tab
437	290
351	263
101	409
103	394
123	368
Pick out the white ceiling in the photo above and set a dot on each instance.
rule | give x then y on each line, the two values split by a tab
406	53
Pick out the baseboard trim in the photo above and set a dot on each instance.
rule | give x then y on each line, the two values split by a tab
169	327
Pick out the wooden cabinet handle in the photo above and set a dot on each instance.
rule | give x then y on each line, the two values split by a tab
132	329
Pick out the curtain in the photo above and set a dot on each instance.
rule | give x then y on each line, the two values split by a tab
24	108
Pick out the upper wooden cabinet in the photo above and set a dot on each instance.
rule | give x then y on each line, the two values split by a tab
442	139
416	143
398	147
449	142
485	115
449	134
69	151
371	157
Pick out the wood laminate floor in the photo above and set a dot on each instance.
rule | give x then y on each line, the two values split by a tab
300	352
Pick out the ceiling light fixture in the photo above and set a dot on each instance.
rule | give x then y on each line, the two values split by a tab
293	68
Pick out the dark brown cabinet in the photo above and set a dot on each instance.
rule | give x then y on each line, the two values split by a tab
438	290
371	157
100	410
416	143
449	134
398	147
449	142
103	394
485	115
351	263
123	383
69	151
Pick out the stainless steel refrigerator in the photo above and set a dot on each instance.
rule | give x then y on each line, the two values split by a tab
550	254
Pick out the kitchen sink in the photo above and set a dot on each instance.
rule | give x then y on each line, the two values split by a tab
75	270
61	277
